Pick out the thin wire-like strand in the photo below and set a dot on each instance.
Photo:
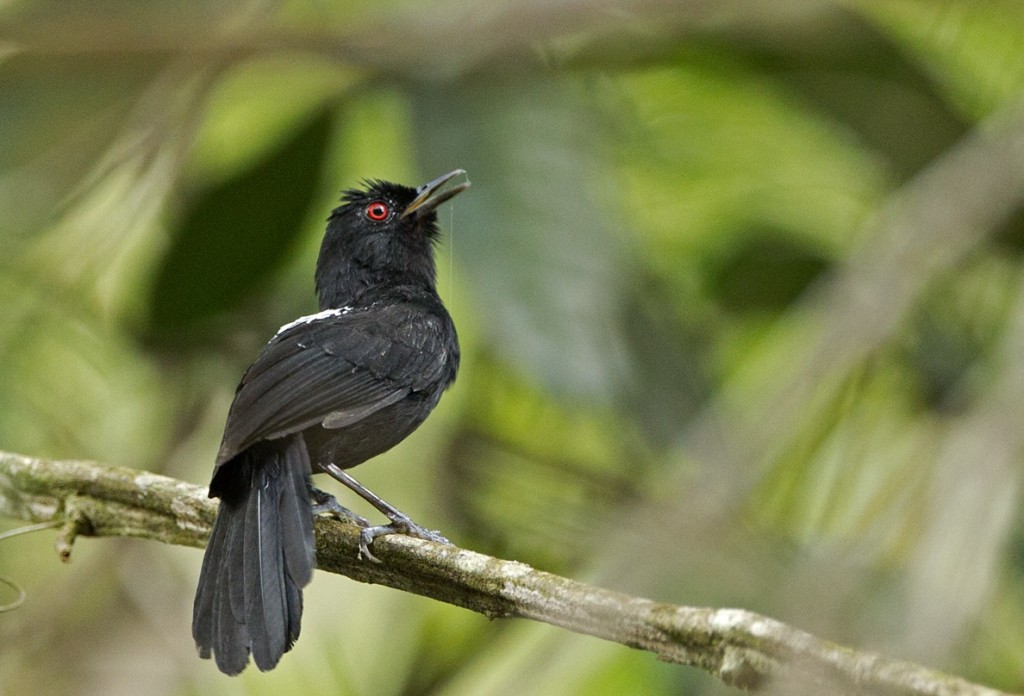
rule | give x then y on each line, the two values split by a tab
451	251
17	588
451	255
4	580
28	529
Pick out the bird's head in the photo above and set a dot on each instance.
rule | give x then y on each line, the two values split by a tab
382	234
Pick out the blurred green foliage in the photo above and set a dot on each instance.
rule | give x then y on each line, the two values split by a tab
667	198
222	222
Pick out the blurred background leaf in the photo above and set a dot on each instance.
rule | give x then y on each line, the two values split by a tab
739	288
202	273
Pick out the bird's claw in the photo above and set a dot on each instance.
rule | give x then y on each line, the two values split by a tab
326	504
399	525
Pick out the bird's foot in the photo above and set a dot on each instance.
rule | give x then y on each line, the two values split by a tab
400	524
326	504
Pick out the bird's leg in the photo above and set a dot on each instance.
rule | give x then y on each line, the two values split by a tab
400	522
325	503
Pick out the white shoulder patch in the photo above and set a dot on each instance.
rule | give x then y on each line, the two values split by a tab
325	314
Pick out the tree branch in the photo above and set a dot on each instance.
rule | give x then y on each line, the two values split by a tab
739	647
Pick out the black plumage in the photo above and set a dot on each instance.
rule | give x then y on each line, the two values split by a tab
329	391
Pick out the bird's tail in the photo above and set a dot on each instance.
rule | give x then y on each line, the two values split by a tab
260	555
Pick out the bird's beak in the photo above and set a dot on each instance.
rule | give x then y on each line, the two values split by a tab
429	195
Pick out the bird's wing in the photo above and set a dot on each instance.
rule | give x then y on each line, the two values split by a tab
335	369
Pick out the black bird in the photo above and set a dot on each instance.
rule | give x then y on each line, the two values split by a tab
329	391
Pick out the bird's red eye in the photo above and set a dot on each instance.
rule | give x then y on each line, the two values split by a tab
377	211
